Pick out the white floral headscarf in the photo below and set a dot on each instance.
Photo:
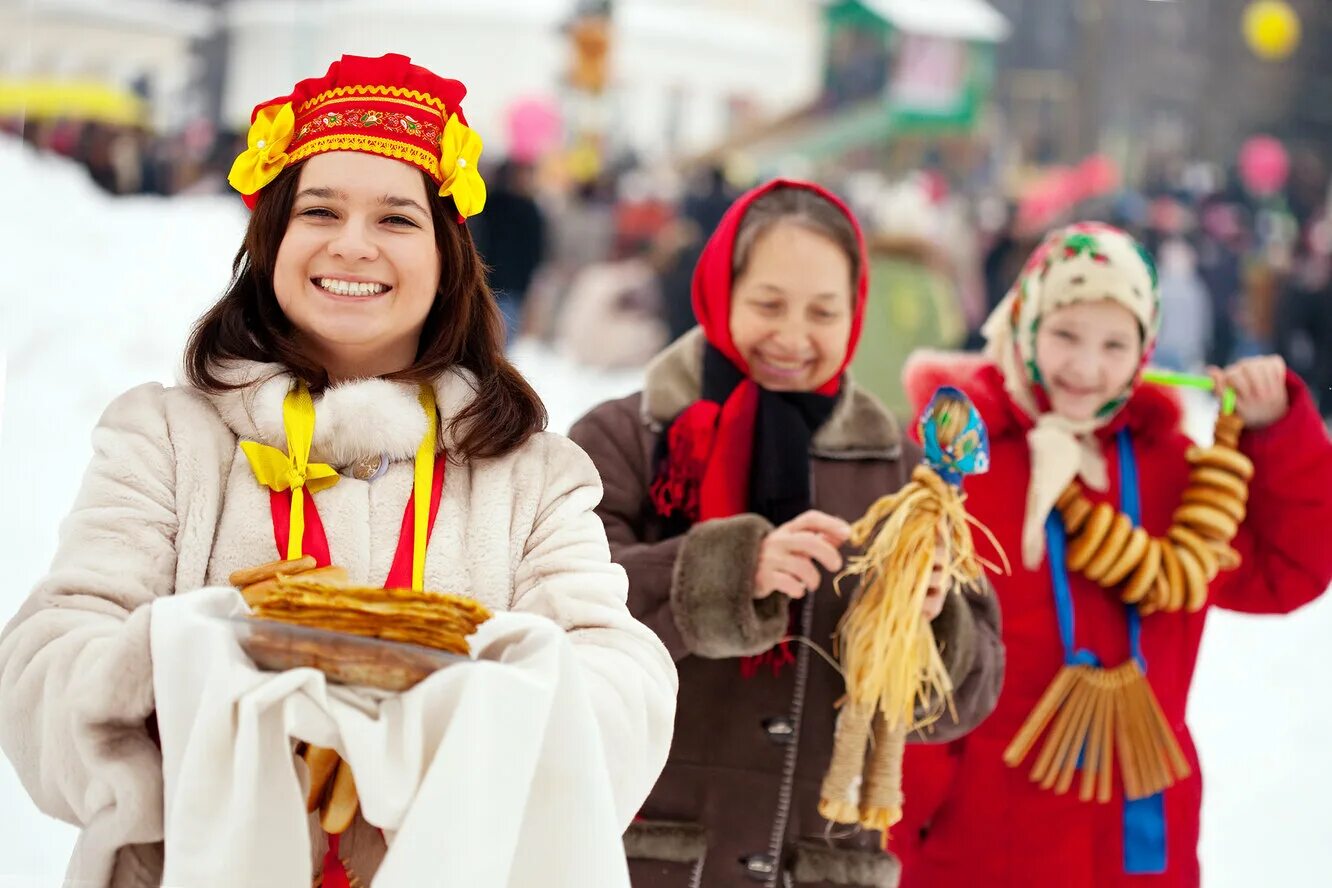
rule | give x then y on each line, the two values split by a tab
1085	262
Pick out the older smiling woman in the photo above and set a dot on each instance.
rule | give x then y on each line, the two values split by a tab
729	482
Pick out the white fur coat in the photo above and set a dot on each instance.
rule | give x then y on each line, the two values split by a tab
169	504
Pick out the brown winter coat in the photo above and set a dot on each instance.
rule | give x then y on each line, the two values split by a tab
742	783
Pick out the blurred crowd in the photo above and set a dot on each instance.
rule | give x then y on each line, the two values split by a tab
126	160
600	267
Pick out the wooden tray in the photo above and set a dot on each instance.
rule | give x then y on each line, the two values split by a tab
345	659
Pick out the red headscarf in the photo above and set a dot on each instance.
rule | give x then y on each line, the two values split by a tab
710	443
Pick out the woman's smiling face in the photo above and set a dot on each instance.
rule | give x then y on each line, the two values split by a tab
358	267
791	309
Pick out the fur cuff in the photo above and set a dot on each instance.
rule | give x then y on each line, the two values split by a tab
664	840
712	592
955	634
853	867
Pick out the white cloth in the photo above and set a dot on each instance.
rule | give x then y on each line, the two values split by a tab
488	773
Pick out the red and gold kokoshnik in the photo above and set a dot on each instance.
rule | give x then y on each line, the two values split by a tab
407	126
385	106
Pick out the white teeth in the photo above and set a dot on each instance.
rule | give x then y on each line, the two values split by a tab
351	288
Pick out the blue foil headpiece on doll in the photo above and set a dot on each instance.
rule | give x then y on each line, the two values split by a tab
954	436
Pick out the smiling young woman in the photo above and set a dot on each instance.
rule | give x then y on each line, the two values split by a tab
359	347
354	266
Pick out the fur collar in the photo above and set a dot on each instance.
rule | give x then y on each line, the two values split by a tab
859	428
356	419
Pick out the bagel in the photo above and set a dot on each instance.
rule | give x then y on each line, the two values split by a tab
1228	428
1170	566
1194	590
1076	515
1226	556
1129	558
1111	548
1144	576
1157	599
1223	458
1206	476
1212	524
1088	543
322	763
1147	608
251	575
340	809
1216	498
1196	600
1199	548
1069	496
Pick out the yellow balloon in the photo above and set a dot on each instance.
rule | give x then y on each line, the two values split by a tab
1271	28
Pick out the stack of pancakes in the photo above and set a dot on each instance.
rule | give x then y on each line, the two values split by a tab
429	619
294	594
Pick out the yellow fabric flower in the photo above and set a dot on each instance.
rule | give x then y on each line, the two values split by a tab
269	136
460	149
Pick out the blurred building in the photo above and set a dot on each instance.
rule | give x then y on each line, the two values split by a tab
681	73
107	54
902	84
1153	78
691	72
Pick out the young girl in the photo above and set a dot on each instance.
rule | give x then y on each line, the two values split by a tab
730	480
357	290
1059	389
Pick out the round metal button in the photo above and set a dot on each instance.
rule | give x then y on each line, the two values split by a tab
759	867
780	729
367	468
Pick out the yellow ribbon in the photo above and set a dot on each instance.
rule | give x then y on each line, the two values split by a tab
423	481
293	471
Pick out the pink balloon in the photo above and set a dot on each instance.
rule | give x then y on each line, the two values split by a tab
534	127
1063	188
1263	165
1098	175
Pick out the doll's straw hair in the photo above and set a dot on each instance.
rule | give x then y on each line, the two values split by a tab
886	646
896	680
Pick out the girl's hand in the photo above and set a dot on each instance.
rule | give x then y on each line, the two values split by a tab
1260	389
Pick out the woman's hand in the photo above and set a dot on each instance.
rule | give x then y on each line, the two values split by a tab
790	556
1260	389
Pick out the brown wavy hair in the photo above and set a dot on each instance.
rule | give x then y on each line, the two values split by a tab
463	328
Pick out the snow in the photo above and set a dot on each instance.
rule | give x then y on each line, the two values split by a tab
98	295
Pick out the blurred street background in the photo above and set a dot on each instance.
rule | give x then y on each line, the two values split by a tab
616	133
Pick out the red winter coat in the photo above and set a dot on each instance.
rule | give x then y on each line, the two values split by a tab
970	819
